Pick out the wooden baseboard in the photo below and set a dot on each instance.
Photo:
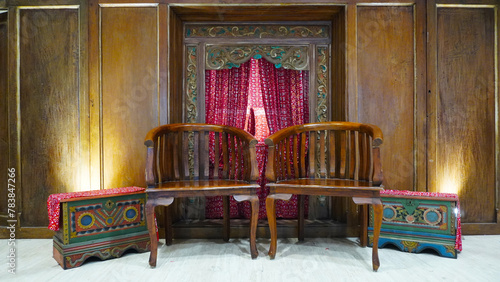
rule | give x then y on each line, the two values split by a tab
480	228
28	233
212	229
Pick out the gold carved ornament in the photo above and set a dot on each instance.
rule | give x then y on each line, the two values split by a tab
226	57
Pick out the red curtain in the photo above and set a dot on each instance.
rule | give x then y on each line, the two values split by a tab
285	99
226	100
261	99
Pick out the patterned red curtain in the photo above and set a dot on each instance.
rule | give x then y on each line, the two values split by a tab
261	99
285	99
226	100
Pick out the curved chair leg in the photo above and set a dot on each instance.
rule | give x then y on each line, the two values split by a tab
150	220
254	218
377	220
253	226
271	219
254	201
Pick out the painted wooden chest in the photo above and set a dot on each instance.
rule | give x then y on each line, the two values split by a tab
103	226
416	221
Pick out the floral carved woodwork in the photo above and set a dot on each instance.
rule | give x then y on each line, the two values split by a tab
232	54
191	85
322	83
257	31
288	57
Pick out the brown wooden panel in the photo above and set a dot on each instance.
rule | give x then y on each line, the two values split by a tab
338	73
49	104
130	87
256	13
386	85
4	134
464	130
176	108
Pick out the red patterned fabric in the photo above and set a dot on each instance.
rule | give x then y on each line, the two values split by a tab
226	100
458	240
53	202
256	115
285	100
253	97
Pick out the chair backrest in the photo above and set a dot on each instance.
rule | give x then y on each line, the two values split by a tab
193	151
343	150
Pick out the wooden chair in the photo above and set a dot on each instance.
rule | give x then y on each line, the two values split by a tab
329	159
180	164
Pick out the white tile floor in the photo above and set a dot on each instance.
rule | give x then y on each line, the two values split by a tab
326	259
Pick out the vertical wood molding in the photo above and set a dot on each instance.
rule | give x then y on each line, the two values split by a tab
4	113
420	98
351	110
163	58
13	104
338	51
431	91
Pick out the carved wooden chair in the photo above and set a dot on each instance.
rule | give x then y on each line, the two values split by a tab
180	163
329	159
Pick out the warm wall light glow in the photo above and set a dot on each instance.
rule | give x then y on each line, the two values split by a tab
85	181
453	172
450	183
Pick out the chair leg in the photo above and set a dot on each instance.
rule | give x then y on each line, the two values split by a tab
226	218
271	218
377	224
253	226
150	220
254	203
363	228
168	225
301	218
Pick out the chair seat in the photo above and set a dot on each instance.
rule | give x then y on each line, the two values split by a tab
327	187
189	188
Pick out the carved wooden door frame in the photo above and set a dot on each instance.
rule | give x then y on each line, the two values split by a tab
293	46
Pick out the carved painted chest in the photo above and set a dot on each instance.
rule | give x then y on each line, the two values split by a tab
103	226
416	221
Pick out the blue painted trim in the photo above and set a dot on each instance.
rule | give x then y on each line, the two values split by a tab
440	249
413	233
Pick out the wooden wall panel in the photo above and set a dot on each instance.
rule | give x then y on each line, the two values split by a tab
129	90
462	135
4	133
338	67
176	50
49	105
44	117
386	85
